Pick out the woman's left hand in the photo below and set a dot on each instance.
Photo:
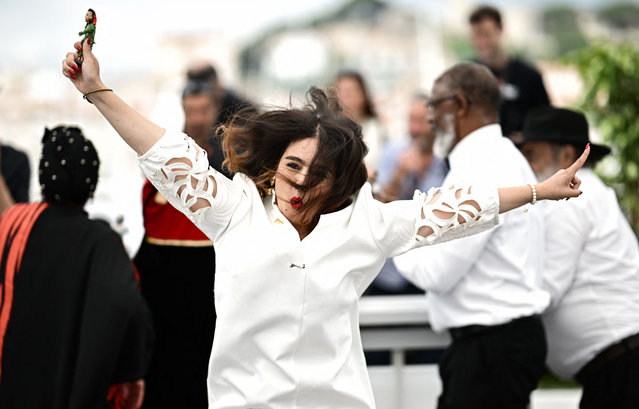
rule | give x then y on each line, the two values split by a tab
86	78
564	184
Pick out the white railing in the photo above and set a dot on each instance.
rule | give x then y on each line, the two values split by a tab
397	323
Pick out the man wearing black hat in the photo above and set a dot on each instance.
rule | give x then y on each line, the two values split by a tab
591	269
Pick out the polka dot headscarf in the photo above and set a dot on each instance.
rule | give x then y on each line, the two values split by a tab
68	167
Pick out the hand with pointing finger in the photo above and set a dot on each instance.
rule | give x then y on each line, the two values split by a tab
564	184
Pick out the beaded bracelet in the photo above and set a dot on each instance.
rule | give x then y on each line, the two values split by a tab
94	91
534	196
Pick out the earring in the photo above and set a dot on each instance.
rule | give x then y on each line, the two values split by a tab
271	186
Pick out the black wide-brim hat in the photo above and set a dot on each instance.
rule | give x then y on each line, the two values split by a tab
560	125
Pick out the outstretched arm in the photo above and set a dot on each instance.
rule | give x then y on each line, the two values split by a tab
454	212
136	130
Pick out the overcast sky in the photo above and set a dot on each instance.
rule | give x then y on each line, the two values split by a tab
36	33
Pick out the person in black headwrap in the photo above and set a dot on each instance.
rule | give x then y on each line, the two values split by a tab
68	167
74	331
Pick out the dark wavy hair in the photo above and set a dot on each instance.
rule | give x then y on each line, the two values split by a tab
254	143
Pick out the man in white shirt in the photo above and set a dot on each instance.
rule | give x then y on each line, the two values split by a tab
591	269
485	290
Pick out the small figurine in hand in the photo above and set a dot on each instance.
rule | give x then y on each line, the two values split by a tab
89	33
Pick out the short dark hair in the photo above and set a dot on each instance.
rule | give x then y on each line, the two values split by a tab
202	73
482	13
476	82
254	143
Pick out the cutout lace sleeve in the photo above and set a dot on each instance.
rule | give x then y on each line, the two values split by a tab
452	212
180	170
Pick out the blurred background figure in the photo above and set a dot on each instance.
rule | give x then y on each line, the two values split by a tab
591	268
201	112
228	104
73	326
356	100
521	85
176	263
404	167
409	165
14	177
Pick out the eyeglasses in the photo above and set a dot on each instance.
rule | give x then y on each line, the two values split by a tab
432	104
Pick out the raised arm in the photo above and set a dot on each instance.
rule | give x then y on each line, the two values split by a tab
136	130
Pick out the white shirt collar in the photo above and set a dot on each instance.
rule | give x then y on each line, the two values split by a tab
473	143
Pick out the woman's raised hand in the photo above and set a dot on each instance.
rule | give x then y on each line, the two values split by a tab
564	184
87	77
136	130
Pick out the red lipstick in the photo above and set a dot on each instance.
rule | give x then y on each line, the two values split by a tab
296	202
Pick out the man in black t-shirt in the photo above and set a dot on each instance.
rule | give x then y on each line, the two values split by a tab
522	87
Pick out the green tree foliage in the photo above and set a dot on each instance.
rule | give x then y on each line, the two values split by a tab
610	73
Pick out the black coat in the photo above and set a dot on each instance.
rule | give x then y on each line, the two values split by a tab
72	321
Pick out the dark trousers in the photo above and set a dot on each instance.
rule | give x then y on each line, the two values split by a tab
615	385
177	283
493	367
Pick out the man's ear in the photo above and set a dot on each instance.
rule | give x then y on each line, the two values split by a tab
463	105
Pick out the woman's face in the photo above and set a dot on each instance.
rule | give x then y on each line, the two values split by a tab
88	17
351	96
294	166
